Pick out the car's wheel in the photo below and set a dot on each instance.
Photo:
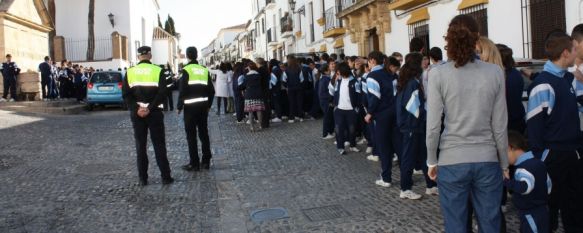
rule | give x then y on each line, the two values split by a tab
90	107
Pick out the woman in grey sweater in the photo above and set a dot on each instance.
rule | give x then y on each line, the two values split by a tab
470	94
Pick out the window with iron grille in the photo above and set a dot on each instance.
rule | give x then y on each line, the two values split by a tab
545	16
420	30
480	13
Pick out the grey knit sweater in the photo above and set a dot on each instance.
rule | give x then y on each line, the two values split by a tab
473	100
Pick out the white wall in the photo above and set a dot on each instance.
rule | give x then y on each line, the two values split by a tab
574	13
160	51
505	25
141	9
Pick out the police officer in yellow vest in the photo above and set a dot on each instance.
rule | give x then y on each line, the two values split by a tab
196	98
144	91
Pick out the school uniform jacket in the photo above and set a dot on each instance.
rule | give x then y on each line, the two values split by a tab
552	121
380	92
411	114
335	92
531	183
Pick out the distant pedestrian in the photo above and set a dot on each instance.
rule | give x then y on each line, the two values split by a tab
45	69
10	72
254	95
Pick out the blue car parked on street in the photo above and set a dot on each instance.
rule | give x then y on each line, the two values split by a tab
104	88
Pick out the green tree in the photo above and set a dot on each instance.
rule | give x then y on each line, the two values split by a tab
169	26
159	22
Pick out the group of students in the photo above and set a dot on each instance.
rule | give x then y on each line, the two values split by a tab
464	115
65	81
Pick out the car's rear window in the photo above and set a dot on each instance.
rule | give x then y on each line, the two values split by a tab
108	77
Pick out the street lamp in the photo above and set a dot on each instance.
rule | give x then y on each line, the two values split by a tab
292	5
111	19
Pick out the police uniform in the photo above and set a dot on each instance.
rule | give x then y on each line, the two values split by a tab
145	86
9	71
196	98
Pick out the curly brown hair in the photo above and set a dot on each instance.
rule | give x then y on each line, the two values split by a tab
462	36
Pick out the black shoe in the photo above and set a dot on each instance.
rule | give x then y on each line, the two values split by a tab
206	166
191	168
143	182
168	181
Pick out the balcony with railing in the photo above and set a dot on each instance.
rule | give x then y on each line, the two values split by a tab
287	26
345	4
333	26
351	6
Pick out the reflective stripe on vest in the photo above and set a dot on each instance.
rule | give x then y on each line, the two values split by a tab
144	75
196	100
197	74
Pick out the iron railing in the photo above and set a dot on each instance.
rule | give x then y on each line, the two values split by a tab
332	21
76	49
345	4
286	24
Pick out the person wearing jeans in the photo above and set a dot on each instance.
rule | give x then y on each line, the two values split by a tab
473	147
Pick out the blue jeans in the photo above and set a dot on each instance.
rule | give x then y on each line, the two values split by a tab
484	182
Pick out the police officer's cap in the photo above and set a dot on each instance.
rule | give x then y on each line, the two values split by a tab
191	52
144	50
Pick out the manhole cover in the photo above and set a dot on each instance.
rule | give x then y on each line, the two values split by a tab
268	214
98	169
325	213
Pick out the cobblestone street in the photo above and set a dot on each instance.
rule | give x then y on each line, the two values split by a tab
78	174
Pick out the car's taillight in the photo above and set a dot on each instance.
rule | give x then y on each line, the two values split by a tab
119	85
90	85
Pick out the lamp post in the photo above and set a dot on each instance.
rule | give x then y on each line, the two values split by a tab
111	19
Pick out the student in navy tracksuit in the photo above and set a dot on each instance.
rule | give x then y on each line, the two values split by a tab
345	108
514	89
392	65
381	111
369	132
275	89
411	122
293	77
553	124
325	100
531	186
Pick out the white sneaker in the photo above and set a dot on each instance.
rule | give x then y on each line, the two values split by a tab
341	152
290	121
395	159
382	183
362	141
276	120
369	150
241	122
417	172
432	191
409	195
284	117
329	136
335	142
11	100
373	158
354	149
249	121
2	100
234	114
300	119
346	143
504	209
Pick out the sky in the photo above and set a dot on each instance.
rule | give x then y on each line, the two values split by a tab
199	21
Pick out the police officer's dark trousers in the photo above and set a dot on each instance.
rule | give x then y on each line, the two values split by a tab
383	132
9	85
414	154
196	121
154	122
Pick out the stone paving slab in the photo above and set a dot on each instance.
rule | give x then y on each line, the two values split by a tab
78	174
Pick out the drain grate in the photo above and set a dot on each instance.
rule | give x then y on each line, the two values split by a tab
259	216
325	213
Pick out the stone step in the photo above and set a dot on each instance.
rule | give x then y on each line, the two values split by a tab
56	107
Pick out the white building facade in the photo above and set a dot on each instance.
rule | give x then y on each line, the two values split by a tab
133	20
521	25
